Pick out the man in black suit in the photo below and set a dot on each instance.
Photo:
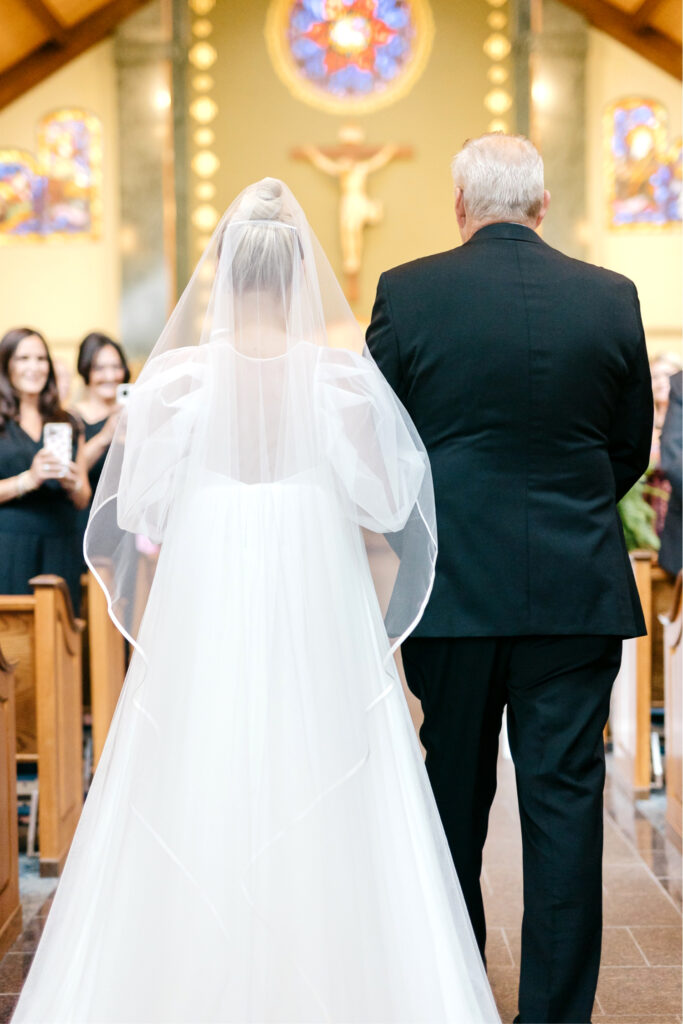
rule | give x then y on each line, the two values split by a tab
526	374
671	449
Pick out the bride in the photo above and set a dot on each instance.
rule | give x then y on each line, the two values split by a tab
260	842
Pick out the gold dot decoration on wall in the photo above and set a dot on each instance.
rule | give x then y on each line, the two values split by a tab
205	190
203	56
203	110
205	163
497	74
497	47
204	137
498	101
202	7
347	57
202	28
202	83
205	217
497	20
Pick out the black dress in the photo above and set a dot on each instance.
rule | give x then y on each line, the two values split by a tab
39	532
94	473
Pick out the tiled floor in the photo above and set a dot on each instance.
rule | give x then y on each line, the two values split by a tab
15	964
640	974
640	977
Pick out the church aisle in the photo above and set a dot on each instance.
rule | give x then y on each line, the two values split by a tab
640	973
640	978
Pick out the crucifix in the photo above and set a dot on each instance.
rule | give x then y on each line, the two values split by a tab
352	162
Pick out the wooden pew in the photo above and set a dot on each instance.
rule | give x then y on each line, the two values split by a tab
632	695
39	632
673	716
10	905
107	659
662	596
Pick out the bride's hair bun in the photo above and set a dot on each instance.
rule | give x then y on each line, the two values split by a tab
267	244
263	201
267	200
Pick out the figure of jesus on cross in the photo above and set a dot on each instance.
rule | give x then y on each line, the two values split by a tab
352	162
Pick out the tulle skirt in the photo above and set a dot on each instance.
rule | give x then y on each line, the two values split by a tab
260	842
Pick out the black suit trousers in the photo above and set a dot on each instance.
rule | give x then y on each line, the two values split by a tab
557	691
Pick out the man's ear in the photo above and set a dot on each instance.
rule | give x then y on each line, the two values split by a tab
544	207
460	209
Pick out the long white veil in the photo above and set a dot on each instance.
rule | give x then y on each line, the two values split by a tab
260	842
247	383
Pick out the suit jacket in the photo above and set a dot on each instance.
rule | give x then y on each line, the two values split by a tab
671	449
526	375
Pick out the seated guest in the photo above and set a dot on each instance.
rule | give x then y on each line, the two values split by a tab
41	488
662	366
670	556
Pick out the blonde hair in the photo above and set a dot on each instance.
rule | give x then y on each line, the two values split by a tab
501	177
672	358
263	257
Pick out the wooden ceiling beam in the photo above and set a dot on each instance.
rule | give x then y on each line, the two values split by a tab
642	14
43	14
648	42
21	77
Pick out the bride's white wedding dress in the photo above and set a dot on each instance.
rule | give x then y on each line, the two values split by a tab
260	842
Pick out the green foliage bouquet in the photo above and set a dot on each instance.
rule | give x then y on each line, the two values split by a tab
638	517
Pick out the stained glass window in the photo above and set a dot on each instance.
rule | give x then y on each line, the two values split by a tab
22	190
57	194
349	55
643	165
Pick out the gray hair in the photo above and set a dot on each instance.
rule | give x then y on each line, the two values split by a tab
501	177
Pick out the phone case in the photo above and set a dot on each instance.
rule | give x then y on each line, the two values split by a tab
58	439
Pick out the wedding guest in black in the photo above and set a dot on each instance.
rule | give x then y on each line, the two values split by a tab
671	456
40	495
526	375
102	365
662	368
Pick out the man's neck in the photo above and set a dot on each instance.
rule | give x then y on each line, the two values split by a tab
478	225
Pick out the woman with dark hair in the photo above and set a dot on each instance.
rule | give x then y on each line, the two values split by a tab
662	367
40	493
102	365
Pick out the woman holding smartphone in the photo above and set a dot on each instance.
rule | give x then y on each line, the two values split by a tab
43	474
103	367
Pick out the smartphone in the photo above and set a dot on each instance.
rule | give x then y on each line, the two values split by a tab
58	439
123	393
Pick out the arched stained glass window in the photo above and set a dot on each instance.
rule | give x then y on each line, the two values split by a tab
643	165
59	193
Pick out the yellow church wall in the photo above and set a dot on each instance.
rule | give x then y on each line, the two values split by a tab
66	289
69	288
259	122
651	258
